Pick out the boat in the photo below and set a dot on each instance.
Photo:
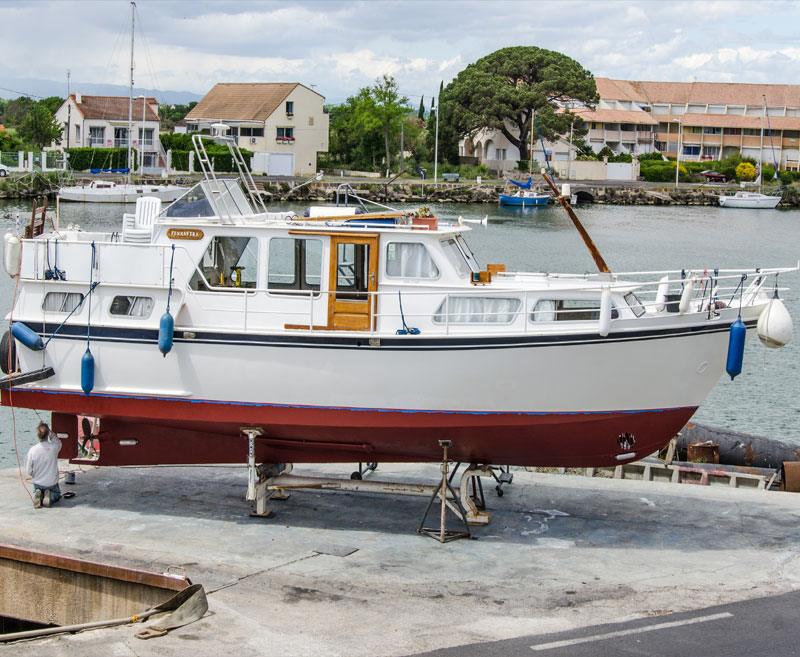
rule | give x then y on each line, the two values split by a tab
107	191
524	196
344	338
753	200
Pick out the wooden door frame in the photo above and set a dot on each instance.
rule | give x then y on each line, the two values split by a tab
373	240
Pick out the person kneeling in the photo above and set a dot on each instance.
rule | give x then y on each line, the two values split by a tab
42	466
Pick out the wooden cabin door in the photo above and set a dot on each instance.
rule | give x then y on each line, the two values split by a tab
353	275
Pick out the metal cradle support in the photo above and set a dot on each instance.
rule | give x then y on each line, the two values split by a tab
461	505
258	476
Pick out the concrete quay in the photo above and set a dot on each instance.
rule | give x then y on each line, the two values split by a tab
560	553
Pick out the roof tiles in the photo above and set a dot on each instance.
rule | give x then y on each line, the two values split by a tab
249	101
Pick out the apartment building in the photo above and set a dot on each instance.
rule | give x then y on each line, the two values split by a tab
706	120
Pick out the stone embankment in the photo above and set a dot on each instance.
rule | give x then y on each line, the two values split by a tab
417	192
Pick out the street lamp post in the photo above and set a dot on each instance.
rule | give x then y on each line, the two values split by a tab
678	161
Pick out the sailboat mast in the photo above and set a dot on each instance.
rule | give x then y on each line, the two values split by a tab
130	97
761	145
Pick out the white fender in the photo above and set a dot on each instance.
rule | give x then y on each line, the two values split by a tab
774	324
605	311
12	253
686	296
661	295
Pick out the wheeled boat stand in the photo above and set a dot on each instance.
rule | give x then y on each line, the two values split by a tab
272	481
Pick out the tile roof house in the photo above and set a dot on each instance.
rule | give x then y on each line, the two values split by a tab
102	122
283	123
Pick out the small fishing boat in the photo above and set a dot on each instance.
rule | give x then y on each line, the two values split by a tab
524	196
368	337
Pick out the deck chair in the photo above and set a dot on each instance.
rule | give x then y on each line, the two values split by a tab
147	209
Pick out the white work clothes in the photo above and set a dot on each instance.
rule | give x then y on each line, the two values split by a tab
42	462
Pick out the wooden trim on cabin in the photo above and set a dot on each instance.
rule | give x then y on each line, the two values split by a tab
318	233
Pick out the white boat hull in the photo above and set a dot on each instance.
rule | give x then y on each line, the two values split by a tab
119	193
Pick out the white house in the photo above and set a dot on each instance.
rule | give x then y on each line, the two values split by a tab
102	122
283	123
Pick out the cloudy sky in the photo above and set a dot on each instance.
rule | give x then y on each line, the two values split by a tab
339	46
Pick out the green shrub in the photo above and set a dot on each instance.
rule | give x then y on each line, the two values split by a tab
654	156
786	178
83	159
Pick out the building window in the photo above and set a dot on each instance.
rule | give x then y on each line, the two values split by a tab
77	133
120	137
791	134
294	264
691	150
732	131
708	130
751	132
251	132
146	139
97	137
289	108
310	120
140	307
285	134
228	262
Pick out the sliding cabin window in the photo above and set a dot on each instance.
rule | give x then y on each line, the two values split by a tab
61	302
409	260
294	264
139	307
229	263
477	310
569	310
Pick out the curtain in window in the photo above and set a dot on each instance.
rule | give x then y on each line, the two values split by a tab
410	260
478	310
545	311
61	302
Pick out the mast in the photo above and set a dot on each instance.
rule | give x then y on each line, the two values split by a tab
130	98
761	145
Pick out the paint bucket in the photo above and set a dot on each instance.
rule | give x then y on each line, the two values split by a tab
69	478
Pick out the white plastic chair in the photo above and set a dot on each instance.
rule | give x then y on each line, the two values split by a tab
147	209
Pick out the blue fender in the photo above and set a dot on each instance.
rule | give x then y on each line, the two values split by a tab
27	336
166	330
738	334
87	371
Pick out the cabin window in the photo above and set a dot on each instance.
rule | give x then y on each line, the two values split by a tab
569	310
459	254
352	271
192	204
635	304
61	302
477	310
227	263
409	260
132	306
294	264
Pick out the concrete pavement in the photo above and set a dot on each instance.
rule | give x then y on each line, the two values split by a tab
561	553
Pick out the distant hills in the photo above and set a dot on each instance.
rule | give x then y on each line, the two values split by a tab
16	87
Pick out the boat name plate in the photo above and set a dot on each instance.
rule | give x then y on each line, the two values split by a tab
185	234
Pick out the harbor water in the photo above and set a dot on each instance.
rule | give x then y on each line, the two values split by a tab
764	399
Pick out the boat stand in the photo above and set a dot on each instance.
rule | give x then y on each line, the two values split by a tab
442	534
270	481
363	469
